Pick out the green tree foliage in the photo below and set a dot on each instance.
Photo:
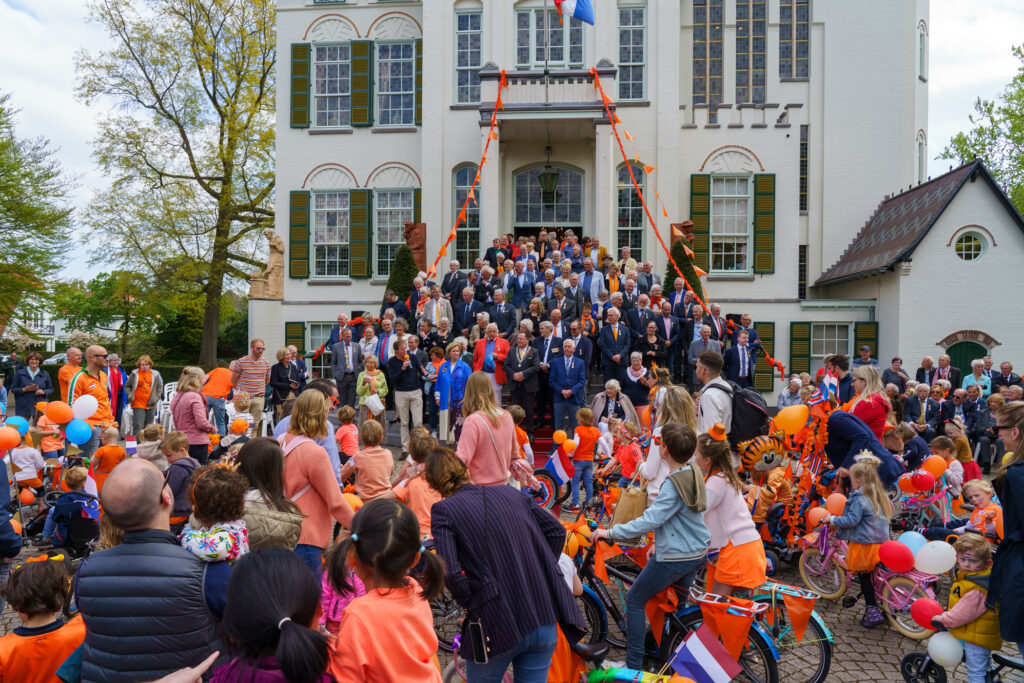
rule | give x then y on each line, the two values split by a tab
997	136
190	152
403	271
35	214
686	265
121	305
179	331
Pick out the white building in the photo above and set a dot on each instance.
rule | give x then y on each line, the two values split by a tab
776	125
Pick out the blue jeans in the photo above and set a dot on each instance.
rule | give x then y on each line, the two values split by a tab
90	446
312	555
979	661
530	659
565	413
655	577
220	414
584	471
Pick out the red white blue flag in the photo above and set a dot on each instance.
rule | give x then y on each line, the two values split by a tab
580	9
560	466
704	659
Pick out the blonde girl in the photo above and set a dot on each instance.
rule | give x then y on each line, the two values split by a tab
865	525
676	406
871	404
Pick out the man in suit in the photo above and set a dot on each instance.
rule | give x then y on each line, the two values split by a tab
437	307
583	347
669	328
346	364
689	333
522	368
548	348
561	329
639	316
491	255
989	371
568	386
591	281
957	406
719	328
520	286
747	325
680	298
646	278
922	413
489	357
630	294
947	372
391	301
335	335
704	343
560	302
465	312
575	293
503	315
597	253
484	291
1006	377
926	373
453	281
614	341
740	360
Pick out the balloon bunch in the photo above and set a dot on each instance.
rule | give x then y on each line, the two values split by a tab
565	444
911	550
924	479
73	417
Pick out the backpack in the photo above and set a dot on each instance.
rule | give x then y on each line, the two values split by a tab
749	413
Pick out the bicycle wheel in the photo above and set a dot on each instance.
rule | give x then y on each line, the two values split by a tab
823	576
547	493
808	660
757	661
447	619
773	560
913	672
897	597
594	617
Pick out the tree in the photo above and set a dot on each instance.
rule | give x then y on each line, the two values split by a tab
191	152
120	303
403	271
997	136
686	265
35	214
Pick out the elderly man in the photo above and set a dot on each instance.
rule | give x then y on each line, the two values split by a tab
465	312
1006	377
597	253
406	374
335	335
568	378
484	290
638	316
453	281
897	400
502	314
561	303
346	364
69	370
704	343
391	302
437	307
947	372
299	363
926	373
719	328
630	294
163	593
251	374
614	341
480	329
747	324
957	406
548	348
790	396
522	369
489	356
922	412
116	380
92	380
520	286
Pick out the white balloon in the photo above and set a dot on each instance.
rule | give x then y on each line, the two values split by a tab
935	557
84	406
945	650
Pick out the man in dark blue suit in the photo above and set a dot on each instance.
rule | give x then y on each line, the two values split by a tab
465	312
747	324
549	349
926	427
453	282
503	315
740	360
957	406
638	317
520	286
614	342
583	347
568	386
671	330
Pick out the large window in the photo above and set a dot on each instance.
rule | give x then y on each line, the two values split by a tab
467	237
631	224
563	208
332	86
540	34
707	55
804	133
922	157
922	51
827	339
632	52
396	84
751	20
467	57
392	210
319	367
794	38
730	223
330	234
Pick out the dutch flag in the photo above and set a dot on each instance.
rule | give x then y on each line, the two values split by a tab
580	9
830	384
560	466
704	659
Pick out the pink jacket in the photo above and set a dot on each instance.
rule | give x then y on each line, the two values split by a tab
188	409
333	602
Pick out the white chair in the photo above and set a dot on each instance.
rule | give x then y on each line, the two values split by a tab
163	407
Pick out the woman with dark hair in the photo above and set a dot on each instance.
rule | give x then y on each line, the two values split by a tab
31	385
653	348
273	521
513	587
270	638
284	380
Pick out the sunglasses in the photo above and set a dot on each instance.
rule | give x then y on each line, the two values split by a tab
98	355
999	428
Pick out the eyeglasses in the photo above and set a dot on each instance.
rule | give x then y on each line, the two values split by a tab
98	355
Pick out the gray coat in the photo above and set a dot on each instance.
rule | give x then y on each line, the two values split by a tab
156	392
697	348
338	359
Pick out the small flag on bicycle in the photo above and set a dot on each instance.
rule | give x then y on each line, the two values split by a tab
130	445
704	659
560	466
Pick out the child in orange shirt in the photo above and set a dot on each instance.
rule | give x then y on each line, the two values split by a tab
52	444
347	435
372	465
107	457
33	652
627	451
414	490
522	439
585	436
384	546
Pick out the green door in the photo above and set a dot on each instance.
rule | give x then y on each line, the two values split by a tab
962	353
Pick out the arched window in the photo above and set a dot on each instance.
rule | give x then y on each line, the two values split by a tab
922	50
629	227
922	157
467	237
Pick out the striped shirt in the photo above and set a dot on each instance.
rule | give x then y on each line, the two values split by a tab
254	375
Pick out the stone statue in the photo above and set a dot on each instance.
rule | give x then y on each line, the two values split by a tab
269	283
415	235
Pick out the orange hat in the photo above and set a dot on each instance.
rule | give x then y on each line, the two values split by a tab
717	432
239	425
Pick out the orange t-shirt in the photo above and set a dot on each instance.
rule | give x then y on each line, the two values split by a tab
49	443
104	460
35	658
347	437
978	520
97	388
586	441
418	495
371	625
522	438
143	390
374	467
64	376
218	383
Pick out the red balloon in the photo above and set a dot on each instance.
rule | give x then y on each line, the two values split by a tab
923	480
896	556
923	610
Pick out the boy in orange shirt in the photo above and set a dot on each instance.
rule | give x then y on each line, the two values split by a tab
627	450
586	436
414	490
522	439
373	465
107	457
347	435
52	443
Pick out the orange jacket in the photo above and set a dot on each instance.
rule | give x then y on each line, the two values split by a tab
36	656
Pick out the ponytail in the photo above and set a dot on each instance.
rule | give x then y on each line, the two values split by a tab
431	576
301	652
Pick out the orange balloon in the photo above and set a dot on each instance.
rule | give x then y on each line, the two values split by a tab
935	464
354	501
905	484
814	516
27	497
792	419
559	437
59	412
645	415
569	445
16	525
9	438
835	504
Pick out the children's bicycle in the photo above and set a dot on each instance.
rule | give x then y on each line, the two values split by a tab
918	667
823	569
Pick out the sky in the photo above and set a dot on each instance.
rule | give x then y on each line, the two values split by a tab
970	56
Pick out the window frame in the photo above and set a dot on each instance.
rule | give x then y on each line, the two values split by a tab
982	246
464	254
749	235
314	124
921	149
322	362
377	224
793	23
709	97
469	69
804	170
642	64
378	119
922	53
567	27
636	251
577	227
745	59
314	244
817	360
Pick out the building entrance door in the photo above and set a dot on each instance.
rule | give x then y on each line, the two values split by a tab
962	353
558	211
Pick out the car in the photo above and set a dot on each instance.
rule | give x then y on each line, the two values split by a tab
59	359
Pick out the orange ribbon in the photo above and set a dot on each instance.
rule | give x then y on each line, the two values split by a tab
602	553
657	607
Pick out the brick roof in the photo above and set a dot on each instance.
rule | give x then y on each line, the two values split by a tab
901	222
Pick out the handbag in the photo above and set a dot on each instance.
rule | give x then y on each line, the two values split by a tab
374	404
632	503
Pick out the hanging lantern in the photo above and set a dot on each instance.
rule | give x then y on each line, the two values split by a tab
548	180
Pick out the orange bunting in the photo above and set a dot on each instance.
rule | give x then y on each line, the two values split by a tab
628	136
732	629
494	135
499	104
615	118
664	211
604	552
462	216
444	251
656	608
799	610
649	170
471	195
689	252
699	272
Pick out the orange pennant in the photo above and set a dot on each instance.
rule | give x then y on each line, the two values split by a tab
656	608
601	553
615	118
699	272
462	216
689	252
732	629
649	170
444	250
471	195
799	609
499	104
627	135
664	211
494	135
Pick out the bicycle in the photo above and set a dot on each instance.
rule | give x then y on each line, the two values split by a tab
822	568
918	667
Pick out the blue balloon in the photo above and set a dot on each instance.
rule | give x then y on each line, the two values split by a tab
78	431
912	540
19	423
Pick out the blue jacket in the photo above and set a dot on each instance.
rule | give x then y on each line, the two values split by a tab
521	295
912	413
555	351
464	320
611	347
25	403
848	436
1005	586
451	384
732	363
860	522
679	533
69	507
10	542
575	380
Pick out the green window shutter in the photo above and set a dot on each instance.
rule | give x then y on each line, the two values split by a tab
417	205
300	85
295	335
298	234
362	83
799	347
419	81
764	223
360	209
866	333
764	374
700	214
